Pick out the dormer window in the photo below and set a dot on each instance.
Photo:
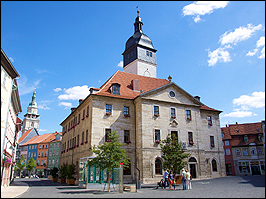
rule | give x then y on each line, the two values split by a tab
115	89
246	138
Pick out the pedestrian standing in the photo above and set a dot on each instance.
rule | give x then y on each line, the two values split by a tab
184	179
166	178
188	176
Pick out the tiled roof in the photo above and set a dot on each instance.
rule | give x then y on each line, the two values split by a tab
39	139
24	135
236	133
245	129
204	107
125	79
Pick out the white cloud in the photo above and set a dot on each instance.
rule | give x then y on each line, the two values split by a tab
220	54
43	105
262	56
239	114
240	34
256	100
252	52
66	104
120	64
261	42
57	89
75	93
202	7
42	130
11	59
24	87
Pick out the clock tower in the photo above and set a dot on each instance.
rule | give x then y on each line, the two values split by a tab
139	56
31	118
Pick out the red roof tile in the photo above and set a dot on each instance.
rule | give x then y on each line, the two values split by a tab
204	107
124	79
39	139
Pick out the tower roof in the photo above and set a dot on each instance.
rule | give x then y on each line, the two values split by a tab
33	103
139	38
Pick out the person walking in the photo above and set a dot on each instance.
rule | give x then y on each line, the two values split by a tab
170	178
166	179
188	176
184	179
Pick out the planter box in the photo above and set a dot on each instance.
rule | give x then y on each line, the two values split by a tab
54	179
70	181
178	179
62	180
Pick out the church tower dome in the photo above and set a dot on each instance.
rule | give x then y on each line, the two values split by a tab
139	56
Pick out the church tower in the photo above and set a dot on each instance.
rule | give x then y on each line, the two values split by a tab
31	118
140	56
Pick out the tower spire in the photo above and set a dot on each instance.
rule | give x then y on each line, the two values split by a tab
138	23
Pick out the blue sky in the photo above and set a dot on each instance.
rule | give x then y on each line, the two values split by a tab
215	50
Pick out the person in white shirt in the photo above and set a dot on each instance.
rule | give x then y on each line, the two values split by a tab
188	176
184	179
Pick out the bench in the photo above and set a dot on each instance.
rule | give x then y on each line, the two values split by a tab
131	188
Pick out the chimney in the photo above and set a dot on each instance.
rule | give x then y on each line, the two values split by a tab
236	123
197	98
80	100
135	85
226	125
72	109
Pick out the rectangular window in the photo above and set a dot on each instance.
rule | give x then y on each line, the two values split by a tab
41	162
157	134
260	137
126	136
188	113
38	162
190	138
212	141
107	131
238	152
35	146
245	151
156	110
87	111
42	154
29	147
173	113
253	151
174	134
228	152
126	111
39	154
45	153
82	138
108	108
246	138
150	54
35	154
209	118
226	143
57	152
87	134
260	151
29	154
40	146
147	53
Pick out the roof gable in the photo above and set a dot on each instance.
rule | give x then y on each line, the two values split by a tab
27	135
163	94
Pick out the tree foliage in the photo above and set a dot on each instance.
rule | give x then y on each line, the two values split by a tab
21	164
70	171
109	155
63	171
31	164
173	154
54	172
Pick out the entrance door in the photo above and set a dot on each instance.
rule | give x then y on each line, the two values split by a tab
228	169
193	170
255	169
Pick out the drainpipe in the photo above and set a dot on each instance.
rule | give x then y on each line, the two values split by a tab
138	182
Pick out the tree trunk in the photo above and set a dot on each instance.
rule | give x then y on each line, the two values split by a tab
109	175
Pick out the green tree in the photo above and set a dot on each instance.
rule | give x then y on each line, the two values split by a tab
109	155
173	154
70	171
21	164
31	164
63	171
54	172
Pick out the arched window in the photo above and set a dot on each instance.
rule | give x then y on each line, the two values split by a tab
127	171
158	166
214	165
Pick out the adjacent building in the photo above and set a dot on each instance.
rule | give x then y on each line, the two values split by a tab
143	110
54	152
244	148
10	123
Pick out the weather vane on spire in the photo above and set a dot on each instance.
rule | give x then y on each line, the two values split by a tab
137	10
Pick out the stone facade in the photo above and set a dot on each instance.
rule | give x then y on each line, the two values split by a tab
142	124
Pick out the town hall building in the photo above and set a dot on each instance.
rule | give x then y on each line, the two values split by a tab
143	110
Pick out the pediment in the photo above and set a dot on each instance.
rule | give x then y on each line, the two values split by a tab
171	93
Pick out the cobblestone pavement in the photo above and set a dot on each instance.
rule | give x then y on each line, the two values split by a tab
225	187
